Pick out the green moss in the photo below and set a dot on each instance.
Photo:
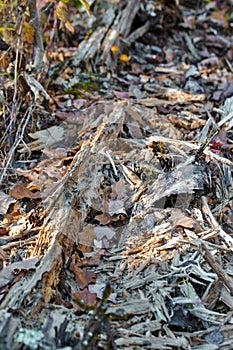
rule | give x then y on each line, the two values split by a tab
89	85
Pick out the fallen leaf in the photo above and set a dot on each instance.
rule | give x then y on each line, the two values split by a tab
21	225
6	275
5	202
98	289
87	237
83	277
90	259
116	207
179	219
43	138
103	231
20	191
85	297
134	131
105	218
119	190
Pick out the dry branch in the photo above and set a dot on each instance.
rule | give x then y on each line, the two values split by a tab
118	23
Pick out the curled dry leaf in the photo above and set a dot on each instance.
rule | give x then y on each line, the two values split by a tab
179	219
90	259
83	277
20	191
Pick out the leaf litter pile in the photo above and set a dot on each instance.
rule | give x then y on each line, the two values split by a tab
116	184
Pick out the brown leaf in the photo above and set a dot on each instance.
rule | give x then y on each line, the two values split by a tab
30	174
134	131
119	190
82	276
20	191
90	259
179	219
105	218
85	297
116	207
87	237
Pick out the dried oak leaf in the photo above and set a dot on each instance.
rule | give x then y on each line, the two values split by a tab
85	297
119	190
106	219
87	237
90	259
20	191
83	277
179	219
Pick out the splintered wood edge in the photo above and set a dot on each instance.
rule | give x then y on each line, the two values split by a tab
34	291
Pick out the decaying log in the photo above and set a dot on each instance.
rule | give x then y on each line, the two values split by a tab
57	236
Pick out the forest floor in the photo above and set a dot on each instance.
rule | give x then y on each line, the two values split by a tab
116	182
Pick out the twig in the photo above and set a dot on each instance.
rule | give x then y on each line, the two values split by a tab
13	108
229	64
20	243
210	123
217	268
106	153
225	119
191	47
38	35
204	146
139	32
97	324
227	238
16	143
